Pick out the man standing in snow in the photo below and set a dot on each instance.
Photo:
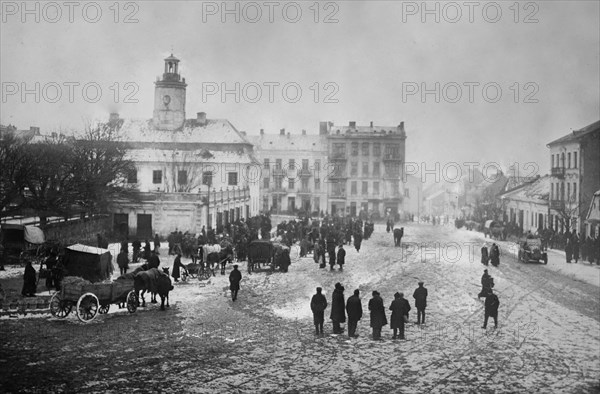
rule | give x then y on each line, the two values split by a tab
378	318
318	304
354	309
420	296
341	257
491	309
235	278
338	313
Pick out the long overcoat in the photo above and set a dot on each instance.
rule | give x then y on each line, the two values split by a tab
338	313
420	296
341	256
318	303
354	308
378	318
234	279
400	308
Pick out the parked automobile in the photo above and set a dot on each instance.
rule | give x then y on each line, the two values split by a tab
530	249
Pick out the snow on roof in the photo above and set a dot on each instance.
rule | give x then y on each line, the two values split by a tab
87	249
188	156
536	192
292	142
216	131
577	134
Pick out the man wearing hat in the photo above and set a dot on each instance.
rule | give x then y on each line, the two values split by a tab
486	284
400	308
338	313
354	309
234	282
318	304
378	318
420	296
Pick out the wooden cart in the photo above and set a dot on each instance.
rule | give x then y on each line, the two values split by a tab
93	298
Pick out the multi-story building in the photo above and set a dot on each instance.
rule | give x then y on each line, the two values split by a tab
293	171
190	172
413	196
364	172
575	166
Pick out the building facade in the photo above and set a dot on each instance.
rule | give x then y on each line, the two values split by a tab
527	205
293	168
365	166
190	172
575	169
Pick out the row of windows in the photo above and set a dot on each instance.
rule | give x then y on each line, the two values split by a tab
558	160
392	150
340	188
557	191
292	164
291	183
182	177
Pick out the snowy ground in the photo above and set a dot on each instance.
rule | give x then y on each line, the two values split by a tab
548	338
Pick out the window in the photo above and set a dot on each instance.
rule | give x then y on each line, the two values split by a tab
304	184
569	160
317	165
354	149
265	183
266	163
365	169
156	176
376	188
353	188
551	191
291	184
354	168
278	183
376	168
291	164
305	164
574	191
132	176
182	177
406	193
278	164
575	164
376	149
232	178
207	178
365	149
365	188
317	184
339	150
392	151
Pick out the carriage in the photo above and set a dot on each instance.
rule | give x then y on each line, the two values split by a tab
493	229
260	254
86	267
21	242
196	270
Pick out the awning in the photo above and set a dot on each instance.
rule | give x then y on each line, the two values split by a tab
34	235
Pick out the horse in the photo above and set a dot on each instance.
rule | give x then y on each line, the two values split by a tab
155	282
398	234
222	257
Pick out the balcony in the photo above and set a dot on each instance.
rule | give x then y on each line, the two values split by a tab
279	172
392	157
304	173
558	172
557	205
338	156
304	190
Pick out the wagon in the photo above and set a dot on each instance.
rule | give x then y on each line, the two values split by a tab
493	229
89	299
195	270
20	242
260	253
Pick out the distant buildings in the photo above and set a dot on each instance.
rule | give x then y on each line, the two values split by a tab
575	169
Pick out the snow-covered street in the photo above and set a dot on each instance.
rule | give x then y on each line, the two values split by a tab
548	339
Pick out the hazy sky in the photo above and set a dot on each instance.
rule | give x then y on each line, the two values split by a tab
373	58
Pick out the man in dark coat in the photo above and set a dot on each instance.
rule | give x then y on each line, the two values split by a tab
51	262
29	279
156	244
318	304
575	245
338	313
354	309
153	261
177	267
378	318
486	284
137	246
123	261
485	258
400	308
491	309
285	260
331	251
495	255
341	257
234	282
420	296
357	240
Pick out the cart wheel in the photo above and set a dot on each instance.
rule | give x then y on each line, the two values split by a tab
87	307
132	301
104	308
59	307
193	275
204	275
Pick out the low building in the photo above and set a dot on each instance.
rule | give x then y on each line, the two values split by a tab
592	219
527	204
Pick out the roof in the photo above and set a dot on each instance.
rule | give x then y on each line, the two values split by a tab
87	249
537	191
289	142
215	131
375	130
577	135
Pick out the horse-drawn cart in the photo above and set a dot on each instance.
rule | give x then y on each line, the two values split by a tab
90	299
260	253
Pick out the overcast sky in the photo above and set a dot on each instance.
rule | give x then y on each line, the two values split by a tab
373	58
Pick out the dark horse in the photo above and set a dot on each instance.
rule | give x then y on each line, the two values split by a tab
155	282
398	234
222	258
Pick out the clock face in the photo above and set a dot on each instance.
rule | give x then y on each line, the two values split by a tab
166	99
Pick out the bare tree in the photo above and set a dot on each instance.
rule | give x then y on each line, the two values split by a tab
13	174
189	165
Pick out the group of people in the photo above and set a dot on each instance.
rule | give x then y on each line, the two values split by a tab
491	300
491	256
400	308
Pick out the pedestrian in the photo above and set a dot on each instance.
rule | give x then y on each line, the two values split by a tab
420	296
487	282
338	313
29	279
318	304
354	310
569	250
575	243
495	255
234	282
50	262
147	250
341	257
378	318
177	267
485	258
123	261
153	261
331	253
491	309
156	244
400	308
285	261
125	246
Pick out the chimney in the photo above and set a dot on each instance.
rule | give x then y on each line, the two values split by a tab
303	132
401	127
323	127
352	124
201	118
114	117
371	124
262	131
282	132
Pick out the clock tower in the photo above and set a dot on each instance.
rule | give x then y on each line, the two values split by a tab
169	97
